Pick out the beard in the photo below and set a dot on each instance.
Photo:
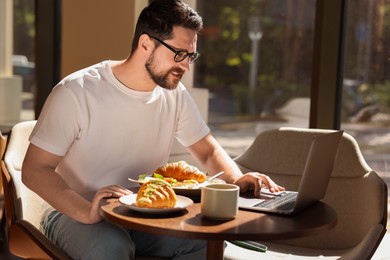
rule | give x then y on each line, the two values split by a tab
163	79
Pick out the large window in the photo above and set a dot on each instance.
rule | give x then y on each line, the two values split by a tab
366	102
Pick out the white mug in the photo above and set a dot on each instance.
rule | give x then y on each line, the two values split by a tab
219	201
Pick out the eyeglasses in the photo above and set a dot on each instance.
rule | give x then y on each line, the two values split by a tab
180	55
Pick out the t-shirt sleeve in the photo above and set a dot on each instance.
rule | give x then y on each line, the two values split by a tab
191	126
58	125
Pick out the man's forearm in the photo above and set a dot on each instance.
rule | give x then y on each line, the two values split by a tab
219	160
52	188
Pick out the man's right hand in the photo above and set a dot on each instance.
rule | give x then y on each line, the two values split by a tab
114	191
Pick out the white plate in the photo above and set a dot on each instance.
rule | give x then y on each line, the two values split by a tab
181	204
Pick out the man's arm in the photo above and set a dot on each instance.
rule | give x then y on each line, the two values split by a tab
38	174
215	159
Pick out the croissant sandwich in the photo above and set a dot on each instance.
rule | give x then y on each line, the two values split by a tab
182	171
156	194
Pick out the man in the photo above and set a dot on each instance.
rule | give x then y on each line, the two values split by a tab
118	119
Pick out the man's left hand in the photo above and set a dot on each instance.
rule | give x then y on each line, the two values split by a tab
255	181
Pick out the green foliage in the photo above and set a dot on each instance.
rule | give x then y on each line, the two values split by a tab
386	15
378	93
241	98
24	28
364	95
271	93
226	43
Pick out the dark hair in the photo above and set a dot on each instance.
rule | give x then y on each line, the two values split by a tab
160	16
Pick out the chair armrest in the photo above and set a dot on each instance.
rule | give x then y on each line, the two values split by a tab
367	247
25	239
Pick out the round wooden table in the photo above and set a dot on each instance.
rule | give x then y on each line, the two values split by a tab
248	225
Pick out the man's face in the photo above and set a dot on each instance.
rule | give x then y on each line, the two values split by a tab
161	66
168	79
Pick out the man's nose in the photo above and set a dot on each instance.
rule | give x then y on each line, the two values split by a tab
185	64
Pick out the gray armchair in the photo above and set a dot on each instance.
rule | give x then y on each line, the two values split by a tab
355	191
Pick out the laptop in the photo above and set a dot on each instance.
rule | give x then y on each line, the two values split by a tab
313	185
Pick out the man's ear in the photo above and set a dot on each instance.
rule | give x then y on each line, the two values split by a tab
144	42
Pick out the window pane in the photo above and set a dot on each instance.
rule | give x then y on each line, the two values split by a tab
24	56
366	91
256	61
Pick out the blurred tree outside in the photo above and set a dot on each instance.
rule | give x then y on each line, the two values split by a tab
24	28
285	52
367	61
23	45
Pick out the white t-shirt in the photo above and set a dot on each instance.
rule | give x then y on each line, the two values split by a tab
107	132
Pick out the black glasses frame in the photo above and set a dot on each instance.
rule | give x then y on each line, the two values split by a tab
180	55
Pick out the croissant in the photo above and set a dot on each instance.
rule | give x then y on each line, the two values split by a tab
156	194
182	171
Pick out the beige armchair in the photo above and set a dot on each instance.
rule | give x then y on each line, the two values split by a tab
355	191
22	205
25	240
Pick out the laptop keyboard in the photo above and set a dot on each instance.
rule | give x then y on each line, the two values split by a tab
284	202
